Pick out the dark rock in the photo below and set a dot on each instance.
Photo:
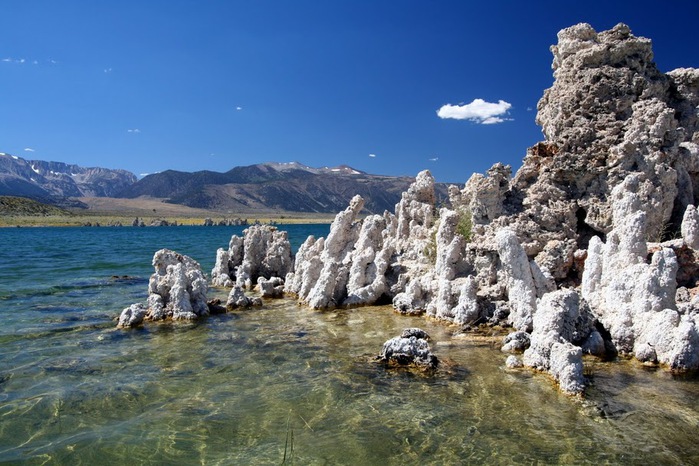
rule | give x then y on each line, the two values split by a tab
409	350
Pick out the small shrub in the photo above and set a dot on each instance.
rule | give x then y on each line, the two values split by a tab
465	225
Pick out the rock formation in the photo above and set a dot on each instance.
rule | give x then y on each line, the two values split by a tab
238	299
264	251
177	290
410	349
636	300
574	253
619	167
609	113
323	266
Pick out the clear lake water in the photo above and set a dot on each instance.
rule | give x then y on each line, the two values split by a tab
283	384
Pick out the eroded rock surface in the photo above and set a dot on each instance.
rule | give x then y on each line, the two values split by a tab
410	349
635	299
591	248
177	290
238	299
263	251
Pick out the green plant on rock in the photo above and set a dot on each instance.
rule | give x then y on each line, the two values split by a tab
465	225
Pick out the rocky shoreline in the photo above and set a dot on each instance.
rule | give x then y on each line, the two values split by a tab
591	248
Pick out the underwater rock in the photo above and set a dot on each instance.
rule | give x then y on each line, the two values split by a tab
215	306
410	349
513	362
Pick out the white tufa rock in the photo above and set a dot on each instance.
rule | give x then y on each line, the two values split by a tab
370	262
551	348
263	251
466	311
410	349
690	227
521	290
238	299
177	290
132	316
330	289
272	288
634	299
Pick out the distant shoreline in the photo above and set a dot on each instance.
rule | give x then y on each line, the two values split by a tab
104	212
29	221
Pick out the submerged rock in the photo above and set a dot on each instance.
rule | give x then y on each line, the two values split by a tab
410	349
177	290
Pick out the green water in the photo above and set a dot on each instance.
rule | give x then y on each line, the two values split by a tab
255	386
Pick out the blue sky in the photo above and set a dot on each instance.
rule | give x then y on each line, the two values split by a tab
209	85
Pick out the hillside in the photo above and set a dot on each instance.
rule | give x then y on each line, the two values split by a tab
289	187
267	187
56	182
21	206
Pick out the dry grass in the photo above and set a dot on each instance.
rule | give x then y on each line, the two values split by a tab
111	211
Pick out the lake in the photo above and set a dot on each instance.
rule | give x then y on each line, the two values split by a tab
283	383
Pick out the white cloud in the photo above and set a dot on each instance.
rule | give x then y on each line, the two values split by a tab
28	149
433	159
107	70
22	61
493	120
239	108
372	155
134	130
478	111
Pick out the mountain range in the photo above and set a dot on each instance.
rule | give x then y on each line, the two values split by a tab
56	182
291	186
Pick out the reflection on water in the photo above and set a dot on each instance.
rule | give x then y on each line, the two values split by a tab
234	388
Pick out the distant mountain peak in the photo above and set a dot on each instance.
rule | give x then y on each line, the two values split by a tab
275	186
287	166
43	180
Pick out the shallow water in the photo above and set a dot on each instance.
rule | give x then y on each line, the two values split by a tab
248	387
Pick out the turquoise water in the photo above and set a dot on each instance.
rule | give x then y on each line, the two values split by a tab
251	386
